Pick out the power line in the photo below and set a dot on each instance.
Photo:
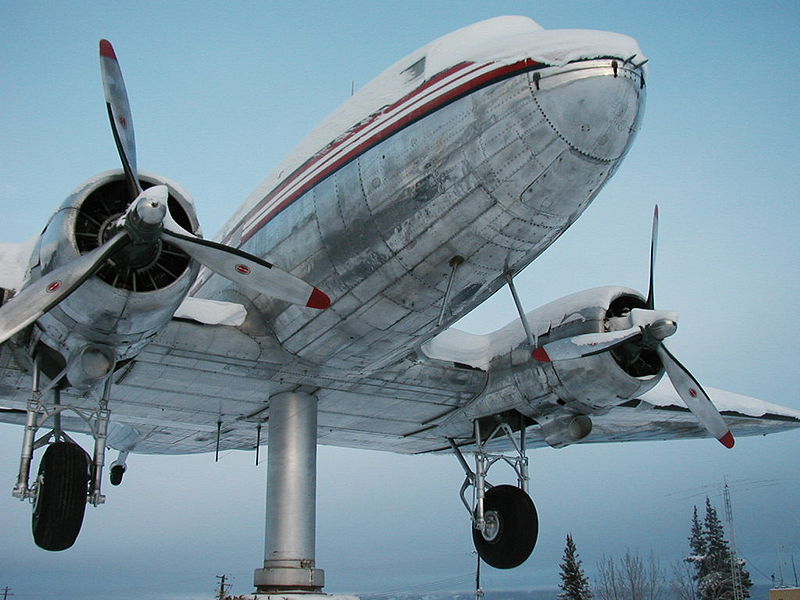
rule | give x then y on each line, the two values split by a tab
222	590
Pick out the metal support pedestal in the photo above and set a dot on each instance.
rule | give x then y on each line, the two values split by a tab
291	498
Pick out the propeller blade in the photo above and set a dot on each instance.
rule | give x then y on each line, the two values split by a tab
245	269
651	302
119	114
43	294
584	345
696	399
657	324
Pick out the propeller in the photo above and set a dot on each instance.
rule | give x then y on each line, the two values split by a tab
119	114
46	292
245	269
649	328
137	233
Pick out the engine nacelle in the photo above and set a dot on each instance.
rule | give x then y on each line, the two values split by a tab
559	396
605	378
587	385
114	314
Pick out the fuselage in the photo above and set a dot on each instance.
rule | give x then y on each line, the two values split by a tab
479	149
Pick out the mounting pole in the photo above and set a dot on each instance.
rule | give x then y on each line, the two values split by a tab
289	555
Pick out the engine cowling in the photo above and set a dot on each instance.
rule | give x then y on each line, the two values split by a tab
116	312
562	395
606	378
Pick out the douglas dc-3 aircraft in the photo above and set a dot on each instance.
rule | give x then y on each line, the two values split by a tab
324	309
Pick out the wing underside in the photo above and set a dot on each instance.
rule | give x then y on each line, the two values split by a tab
196	384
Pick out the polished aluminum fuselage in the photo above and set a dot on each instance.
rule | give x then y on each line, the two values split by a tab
409	207
493	175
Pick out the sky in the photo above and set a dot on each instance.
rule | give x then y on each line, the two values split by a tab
220	92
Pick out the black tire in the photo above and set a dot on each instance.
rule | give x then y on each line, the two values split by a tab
61	501
517	528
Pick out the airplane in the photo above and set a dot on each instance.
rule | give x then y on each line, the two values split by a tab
323	312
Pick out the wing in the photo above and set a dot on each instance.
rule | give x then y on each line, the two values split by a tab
194	380
14	260
193	377
661	415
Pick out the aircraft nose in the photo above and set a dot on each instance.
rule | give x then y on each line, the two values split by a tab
594	106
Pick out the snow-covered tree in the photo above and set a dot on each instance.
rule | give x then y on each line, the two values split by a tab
574	583
697	553
711	558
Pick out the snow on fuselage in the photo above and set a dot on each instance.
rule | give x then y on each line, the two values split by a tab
485	145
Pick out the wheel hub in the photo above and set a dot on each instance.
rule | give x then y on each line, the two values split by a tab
491	525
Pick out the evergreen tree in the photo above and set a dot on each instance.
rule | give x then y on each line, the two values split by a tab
716	579
574	583
697	549
711	558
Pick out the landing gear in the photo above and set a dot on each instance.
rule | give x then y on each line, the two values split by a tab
505	525
68	477
62	486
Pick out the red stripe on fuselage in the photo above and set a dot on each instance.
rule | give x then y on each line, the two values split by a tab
379	136
425	109
333	146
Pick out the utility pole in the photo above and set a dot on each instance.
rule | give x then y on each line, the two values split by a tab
222	591
7	593
736	575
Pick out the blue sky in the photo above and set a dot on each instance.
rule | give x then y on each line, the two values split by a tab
220	92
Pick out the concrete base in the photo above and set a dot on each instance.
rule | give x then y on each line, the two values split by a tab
289	577
297	597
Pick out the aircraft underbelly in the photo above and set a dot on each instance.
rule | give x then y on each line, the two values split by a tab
493	178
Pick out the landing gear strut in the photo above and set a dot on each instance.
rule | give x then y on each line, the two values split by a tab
505	525
68	477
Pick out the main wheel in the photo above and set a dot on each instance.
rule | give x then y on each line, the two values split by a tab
512	528
61	501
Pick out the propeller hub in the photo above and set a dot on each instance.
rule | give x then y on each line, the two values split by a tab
151	211
662	329
145	215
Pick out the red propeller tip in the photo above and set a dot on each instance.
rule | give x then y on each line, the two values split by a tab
318	299
541	355
107	50
727	440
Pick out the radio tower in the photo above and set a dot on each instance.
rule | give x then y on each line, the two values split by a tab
736	574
